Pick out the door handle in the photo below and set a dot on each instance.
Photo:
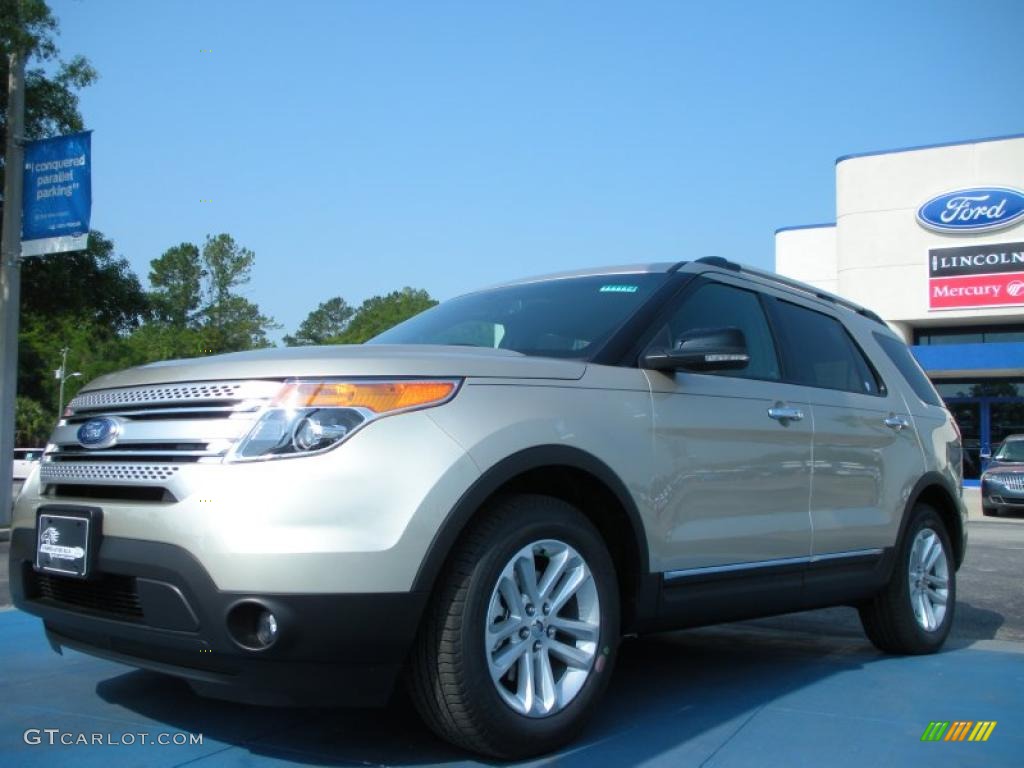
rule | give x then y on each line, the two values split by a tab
785	413
897	422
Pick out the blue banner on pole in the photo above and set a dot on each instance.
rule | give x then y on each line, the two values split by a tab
57	194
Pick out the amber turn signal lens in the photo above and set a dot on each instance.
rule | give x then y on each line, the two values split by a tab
377	396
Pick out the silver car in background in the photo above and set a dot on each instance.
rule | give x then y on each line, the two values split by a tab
483	500
1002	483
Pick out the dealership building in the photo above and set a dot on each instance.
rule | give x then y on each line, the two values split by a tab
932	239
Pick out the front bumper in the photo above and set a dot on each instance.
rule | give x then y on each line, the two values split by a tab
997	496
154	606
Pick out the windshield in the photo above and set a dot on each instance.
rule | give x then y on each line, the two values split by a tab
1012	450
570	317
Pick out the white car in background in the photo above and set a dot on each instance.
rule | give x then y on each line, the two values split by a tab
25	460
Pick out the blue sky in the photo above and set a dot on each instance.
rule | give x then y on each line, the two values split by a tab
357	147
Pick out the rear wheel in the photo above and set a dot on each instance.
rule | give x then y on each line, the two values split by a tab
914	613
521	636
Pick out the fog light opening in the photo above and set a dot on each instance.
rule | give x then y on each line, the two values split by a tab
253	626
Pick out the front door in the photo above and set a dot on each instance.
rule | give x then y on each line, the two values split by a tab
732	476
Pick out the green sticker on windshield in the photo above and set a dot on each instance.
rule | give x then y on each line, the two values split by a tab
618	289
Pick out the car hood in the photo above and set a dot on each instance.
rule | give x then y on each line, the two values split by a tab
1005	466
348	360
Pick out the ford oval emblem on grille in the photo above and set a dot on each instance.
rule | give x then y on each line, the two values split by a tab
973	210
98	433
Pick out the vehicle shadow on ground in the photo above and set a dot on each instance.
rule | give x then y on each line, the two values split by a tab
684	692
972	623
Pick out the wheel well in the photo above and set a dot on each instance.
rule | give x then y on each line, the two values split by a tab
937	497
602	507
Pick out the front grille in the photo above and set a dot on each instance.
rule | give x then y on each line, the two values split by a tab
107	595
60	472
160	395
1012	480
159	429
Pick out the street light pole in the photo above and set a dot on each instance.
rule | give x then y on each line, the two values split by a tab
10	274
63	375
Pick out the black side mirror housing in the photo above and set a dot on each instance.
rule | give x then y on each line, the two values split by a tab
702	350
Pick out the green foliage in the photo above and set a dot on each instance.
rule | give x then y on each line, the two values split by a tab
327	321
176	279
32	424
94	350
377	314
93	284
28	26
230	321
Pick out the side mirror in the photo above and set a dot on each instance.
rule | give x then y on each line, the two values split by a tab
702	350
986	453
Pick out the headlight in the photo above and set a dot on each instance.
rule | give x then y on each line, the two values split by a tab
309	417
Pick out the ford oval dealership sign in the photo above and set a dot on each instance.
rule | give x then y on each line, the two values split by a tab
973	210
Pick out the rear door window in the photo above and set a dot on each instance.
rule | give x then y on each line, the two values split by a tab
819	352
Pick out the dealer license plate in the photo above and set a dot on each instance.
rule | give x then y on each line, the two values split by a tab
62	544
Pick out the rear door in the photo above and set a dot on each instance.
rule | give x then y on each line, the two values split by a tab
865	447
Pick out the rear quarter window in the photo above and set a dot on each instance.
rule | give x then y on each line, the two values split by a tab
905	363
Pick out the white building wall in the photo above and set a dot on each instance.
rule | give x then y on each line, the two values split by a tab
882	252
809	254
877	253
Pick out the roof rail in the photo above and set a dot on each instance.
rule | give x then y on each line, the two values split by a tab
721	263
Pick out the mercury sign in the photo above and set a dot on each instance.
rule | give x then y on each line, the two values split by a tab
976	276
972	210
57	195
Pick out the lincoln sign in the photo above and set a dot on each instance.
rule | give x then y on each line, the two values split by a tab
976	276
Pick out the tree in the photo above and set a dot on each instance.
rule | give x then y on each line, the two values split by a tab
94	284
327	321
377	314
177	278
230	321
32	424
51	101
197	307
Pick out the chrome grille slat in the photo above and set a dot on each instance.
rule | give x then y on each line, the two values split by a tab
200	411
93	455
161	431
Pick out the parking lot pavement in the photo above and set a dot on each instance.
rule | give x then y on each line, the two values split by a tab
729	696
804	689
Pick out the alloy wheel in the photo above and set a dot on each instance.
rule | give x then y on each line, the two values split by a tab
543	627
928	579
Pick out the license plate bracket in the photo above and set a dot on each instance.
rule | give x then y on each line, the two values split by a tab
67	539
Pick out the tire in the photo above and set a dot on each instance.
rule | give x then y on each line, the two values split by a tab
890	620
450	677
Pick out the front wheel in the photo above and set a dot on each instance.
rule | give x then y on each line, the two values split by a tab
521	636
914	612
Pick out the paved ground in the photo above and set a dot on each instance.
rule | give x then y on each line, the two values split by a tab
718	697
796	690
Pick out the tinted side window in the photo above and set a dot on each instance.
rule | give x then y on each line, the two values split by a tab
908	367
820	353
721	306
